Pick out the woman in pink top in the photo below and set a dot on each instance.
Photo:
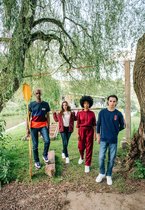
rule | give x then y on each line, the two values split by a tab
66	119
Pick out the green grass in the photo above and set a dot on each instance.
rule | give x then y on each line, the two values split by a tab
18	153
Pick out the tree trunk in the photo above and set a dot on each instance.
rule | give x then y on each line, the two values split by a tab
138	142
12	75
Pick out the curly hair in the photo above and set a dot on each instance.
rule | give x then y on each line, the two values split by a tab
89	99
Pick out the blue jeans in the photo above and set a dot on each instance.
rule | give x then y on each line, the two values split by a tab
45	134
112	150
65	139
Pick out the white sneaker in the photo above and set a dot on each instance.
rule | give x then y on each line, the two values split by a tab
63	156
67	160
87	169
109	180
100	177
80	161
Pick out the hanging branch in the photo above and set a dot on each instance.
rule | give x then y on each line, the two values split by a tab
57	23
63	10
49	37
78	24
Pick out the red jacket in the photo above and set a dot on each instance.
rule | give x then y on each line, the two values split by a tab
58	118
86	119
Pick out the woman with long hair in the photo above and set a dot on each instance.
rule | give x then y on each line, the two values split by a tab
86	124
66	119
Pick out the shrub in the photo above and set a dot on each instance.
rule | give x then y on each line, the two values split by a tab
4	161
139	170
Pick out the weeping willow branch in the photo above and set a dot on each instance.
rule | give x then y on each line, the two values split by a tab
78	24
49	37
63	9
57	23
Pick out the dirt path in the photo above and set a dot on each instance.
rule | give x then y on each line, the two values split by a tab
105	201
67	196
14	127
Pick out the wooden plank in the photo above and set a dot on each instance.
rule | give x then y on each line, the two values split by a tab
53	131
51	156
50	167
127	100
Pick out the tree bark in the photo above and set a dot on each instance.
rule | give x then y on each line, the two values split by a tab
137	150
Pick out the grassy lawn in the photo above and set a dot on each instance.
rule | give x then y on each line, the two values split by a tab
13	120
18	154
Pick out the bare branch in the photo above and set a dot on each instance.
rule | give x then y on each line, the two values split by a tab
49	37
78	24
57	23
63	9
42	36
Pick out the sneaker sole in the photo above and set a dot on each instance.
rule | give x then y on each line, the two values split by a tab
81	162
101	180
37	167
45	160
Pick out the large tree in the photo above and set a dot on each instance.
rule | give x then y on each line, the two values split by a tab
87	32
76	29
138	142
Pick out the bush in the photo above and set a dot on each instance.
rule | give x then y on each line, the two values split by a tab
139	170
4	161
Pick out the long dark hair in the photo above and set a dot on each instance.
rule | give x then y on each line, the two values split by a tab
68	107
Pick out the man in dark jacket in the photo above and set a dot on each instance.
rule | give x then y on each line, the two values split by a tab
110	122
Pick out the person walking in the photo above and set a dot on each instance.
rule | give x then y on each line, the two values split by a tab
86	124
39	122
110	123
66	119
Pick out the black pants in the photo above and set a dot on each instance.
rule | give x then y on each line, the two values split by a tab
65	139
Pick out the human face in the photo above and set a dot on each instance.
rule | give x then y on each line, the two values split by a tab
112	102
38	94
86	105
64	105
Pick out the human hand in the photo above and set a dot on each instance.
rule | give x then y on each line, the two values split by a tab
95	137
27	132
98	138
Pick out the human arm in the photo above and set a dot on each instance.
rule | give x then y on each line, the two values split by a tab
28	124
78	123
78	120
95	133
74	116
98	128
48	119
94	126
121	122
98	138
55	117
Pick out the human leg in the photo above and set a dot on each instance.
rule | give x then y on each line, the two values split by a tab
45	133
34	135
82	142
111	158
89	145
